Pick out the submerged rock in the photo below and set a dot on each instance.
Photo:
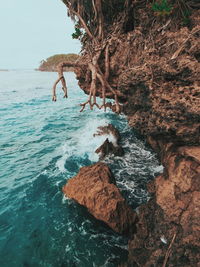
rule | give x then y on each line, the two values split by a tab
112	144
94	187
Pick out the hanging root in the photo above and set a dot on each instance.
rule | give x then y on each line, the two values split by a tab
96	75
92	94
105	84
106	89
169	250
54	89
61	78
92	90
107	63
96	45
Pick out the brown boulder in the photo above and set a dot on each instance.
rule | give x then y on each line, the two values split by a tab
94	187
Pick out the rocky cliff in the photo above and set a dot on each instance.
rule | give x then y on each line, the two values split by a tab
154	67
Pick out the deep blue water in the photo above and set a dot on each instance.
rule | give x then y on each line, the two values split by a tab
42	144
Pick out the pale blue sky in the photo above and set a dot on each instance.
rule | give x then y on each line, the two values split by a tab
32	30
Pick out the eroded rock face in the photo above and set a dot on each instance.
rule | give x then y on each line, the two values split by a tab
157	77
94	187
174	209
179	194
112	144
155	70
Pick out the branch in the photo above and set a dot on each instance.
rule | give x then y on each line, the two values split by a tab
169	251
68	4
92	67
101	76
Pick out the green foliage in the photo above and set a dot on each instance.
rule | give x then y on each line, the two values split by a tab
161	7
186	16
178	7
77	34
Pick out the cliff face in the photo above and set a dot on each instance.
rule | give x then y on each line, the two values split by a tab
155	69
173	212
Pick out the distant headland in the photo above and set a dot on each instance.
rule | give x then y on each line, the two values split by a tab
51	63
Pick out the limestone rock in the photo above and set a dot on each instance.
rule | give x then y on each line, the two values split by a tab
94	187
174	209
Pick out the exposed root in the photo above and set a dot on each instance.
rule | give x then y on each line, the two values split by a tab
96	46
54	98
62	78
106	84
169	251
96	74
107	63
84	104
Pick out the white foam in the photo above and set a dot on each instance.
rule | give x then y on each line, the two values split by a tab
163	239
159	168
134	168
64	199
83	143
60	164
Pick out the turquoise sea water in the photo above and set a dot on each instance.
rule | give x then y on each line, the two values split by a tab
42	144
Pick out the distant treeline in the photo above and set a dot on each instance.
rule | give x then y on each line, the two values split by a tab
51	63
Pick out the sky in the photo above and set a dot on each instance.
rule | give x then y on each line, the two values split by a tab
33	30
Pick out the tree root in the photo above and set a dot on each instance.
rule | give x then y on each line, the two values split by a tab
94	73
61	78
169	251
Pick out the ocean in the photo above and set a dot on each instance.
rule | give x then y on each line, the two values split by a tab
42	145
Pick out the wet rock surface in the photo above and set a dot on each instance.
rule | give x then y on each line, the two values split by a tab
94	187
112	144
173	210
